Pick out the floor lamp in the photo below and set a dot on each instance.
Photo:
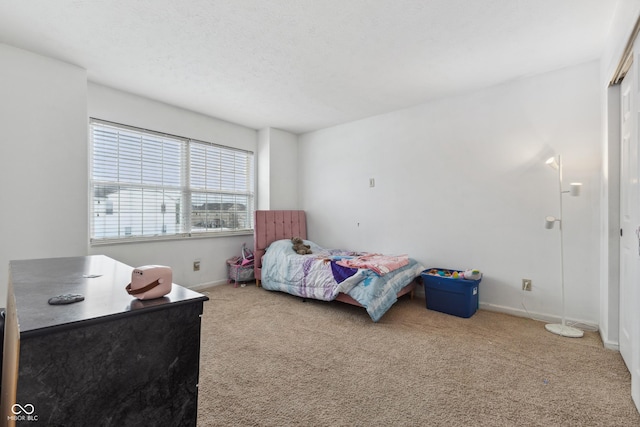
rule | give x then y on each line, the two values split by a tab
561	328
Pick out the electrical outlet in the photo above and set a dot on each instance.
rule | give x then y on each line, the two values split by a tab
196	265
526	284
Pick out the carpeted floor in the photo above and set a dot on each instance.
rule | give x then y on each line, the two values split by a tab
270	359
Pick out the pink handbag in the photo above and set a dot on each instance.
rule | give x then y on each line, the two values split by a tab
150	281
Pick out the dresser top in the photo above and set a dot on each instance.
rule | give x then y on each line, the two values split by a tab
100	279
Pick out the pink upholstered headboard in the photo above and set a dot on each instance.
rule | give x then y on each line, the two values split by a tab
270	226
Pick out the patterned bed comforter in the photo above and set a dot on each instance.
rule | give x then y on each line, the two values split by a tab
321	275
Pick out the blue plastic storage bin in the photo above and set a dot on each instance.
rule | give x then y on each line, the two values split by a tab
458	297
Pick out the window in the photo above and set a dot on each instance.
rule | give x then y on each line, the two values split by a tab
147	185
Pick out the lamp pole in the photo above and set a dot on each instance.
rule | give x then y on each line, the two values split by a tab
562	328
561	237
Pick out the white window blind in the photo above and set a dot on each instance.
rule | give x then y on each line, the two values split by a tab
147	184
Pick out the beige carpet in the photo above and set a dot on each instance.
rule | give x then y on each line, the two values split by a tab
270	359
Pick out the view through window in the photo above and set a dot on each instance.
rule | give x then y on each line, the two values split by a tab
147	184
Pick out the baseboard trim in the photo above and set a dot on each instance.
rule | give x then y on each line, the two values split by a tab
200	286
540	317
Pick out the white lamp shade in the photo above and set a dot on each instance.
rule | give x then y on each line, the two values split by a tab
548	222
552	162
576	188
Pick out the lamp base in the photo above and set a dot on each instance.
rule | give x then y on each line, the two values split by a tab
564	330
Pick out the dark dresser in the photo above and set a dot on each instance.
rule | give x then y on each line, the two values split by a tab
110	360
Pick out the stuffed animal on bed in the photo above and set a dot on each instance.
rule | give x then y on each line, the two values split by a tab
299	247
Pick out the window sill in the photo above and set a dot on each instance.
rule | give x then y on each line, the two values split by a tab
192	236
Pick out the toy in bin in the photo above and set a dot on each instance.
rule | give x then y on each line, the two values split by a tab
150	281
466	274
241	267
452	291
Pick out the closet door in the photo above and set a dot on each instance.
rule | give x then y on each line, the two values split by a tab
630	228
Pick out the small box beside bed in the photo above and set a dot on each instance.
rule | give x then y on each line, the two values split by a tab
325	274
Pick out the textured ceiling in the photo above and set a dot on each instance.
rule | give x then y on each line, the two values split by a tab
301	65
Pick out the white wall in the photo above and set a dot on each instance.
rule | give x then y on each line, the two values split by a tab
121	107
263	169
43	159
461	183
277	169
284	159
44	167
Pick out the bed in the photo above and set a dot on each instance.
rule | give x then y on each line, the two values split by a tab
326	274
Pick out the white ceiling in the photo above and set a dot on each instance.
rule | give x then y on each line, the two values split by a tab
301	65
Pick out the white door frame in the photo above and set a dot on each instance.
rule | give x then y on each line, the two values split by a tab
629	217
628	287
